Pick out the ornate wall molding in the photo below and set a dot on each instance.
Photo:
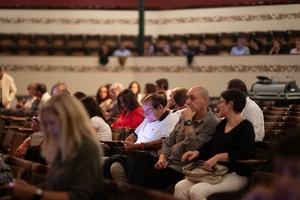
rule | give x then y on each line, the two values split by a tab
162	21
150	69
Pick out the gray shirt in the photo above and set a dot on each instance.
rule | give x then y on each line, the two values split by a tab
177	144
80	176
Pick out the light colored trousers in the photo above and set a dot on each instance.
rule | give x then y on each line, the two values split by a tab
200	190
118	173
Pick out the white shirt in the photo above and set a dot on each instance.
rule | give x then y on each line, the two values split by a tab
254	114
236	51
147	132
125	52
295	51
46	96
29	102
103	129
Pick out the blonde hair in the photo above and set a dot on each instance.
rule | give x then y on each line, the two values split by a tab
75	125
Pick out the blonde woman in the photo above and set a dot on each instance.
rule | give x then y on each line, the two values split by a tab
71	148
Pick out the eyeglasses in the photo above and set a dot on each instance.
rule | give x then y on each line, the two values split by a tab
148	112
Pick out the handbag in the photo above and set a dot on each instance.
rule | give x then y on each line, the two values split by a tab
197	173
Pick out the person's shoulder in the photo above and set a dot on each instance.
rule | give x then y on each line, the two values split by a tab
246	123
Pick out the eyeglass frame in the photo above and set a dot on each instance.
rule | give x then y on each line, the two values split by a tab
148	112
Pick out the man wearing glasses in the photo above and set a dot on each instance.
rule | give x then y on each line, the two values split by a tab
148	136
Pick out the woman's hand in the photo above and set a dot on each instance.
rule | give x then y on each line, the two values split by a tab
22	189
190	155
209	164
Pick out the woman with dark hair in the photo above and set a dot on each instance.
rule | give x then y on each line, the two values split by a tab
136	89
276	48
233	140
102	97
132	113
97	118
149	89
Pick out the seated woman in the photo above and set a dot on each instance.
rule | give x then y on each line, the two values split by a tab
113	110
149	89
32	101
132	113
97	118
72	149
35	139
233	140
102	97
276	48
136	89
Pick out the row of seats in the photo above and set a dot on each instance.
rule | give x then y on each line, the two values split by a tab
81	45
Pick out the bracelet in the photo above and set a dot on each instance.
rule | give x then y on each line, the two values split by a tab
142	145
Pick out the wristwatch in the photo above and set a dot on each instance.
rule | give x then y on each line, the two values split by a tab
188	123
38	194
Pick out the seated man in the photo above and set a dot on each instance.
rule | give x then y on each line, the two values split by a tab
296	50
240	49
148	136
177	100
122	51
252	111
194	128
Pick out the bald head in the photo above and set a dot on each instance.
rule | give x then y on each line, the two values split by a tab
203	92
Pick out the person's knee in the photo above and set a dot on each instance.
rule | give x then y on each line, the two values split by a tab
197	193
118	172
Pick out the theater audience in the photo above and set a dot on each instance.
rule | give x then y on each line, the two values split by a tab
32	100
194	128
166	50
240	49
149	89
131	112
136	89
6	175
252	111
286	165
163	85
177	100
104	55
98	120
296	50
122	51
35	139
276	48
233	140
8	89
184	51
113	110
102	97
70	145
202	49
79	95
148	136
256	47
41	92
58	87
151	50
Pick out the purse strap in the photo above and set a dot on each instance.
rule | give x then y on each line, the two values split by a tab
201	163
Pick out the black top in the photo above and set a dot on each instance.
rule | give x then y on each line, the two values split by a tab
238	143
